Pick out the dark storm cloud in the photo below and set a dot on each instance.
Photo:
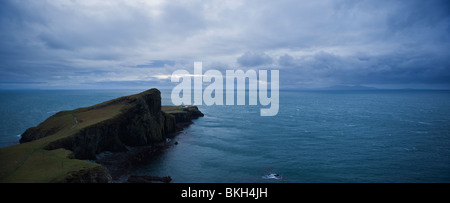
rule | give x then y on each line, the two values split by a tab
286	60
369	70
314	43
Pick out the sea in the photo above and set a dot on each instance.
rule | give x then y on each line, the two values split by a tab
317	136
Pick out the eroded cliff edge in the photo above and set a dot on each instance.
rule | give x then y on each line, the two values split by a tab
118	125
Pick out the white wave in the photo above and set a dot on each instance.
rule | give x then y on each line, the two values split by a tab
410	149
424	123
272	176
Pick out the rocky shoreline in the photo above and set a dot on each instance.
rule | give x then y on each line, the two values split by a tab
120	164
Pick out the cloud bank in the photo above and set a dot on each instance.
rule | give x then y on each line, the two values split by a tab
132	44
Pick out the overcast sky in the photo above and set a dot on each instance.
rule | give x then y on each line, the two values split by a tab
138	44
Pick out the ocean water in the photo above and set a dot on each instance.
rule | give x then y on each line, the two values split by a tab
317	136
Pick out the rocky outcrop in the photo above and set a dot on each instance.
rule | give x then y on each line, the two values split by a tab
114	126
149	179
140	123
187	114
93	175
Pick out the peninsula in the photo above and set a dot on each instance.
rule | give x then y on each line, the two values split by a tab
67	146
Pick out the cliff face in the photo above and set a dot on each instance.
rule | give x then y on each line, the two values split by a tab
136	120
139	123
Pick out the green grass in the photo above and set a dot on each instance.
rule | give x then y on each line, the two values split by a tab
172	109
47	166
30	162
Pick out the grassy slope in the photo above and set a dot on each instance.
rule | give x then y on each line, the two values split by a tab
172	109
30	162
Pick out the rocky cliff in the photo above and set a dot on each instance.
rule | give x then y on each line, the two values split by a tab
113	126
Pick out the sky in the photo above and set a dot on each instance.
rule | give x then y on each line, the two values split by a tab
127	44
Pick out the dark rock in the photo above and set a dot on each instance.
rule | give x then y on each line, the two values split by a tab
121	163
96	175
149	179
